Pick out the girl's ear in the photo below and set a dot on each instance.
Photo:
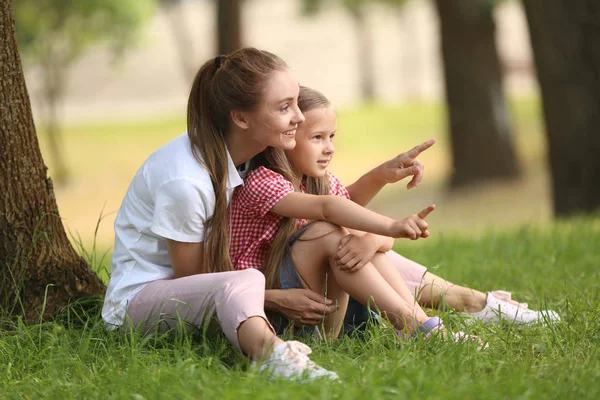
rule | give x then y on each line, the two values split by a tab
240	119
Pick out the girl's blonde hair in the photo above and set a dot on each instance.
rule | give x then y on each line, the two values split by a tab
276	160
224	83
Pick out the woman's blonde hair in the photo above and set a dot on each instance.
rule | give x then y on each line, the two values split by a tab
224	83
276	160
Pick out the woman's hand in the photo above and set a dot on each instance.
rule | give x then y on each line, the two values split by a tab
413	227
405	165
301	306
355	251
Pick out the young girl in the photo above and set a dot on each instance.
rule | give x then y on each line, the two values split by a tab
357	248
263	222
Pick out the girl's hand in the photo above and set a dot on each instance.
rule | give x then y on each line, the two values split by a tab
405	165
355	251
413	227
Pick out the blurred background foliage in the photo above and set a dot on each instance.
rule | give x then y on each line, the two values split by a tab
399	71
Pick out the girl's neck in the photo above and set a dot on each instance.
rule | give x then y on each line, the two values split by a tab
241	147
299	175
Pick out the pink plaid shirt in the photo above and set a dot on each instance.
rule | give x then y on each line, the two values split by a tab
252	225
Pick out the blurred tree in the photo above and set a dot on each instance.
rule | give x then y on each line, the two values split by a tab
365	58
54	33
39	269
229	37
566	45
480	126
183	38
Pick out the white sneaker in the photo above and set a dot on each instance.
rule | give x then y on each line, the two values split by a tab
497	308
290	360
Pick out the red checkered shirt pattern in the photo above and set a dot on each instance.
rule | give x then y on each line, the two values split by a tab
252	225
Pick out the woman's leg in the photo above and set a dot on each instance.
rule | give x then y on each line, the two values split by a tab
312	257
430	289
435	289
236	297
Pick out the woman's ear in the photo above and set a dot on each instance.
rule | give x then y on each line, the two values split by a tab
240	119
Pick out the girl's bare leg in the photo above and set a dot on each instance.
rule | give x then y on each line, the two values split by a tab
334	322
316	247
390	273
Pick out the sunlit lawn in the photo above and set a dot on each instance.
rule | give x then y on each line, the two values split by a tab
556	267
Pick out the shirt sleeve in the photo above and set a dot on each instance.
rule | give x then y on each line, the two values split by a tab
180	211
262	189
336	188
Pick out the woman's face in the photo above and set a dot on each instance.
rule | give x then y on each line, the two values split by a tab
314	143
275	119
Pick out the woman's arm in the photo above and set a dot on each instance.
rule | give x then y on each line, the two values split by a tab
186	258
343	212
367	186
302	306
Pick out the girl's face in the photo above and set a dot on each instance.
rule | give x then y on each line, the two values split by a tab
314	143
274	121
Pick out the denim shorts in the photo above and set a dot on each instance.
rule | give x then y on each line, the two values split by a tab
356	317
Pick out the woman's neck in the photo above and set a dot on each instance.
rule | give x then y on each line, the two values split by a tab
241	148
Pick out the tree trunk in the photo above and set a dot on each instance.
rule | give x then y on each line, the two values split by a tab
181	37
39	269
566	45
228	26
480	126
364	56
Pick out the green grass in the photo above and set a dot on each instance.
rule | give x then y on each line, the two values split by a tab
554	267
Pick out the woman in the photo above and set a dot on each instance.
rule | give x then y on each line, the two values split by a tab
171	255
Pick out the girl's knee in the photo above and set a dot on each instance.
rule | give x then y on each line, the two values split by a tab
321	239
322	229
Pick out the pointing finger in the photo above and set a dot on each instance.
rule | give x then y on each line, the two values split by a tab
415	151
423	214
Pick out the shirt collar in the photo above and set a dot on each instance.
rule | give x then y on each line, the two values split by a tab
234	179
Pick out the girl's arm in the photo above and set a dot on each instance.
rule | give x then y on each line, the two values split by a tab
380	243
367	186
358	248
343	212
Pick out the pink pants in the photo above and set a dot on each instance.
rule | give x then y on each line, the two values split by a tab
411	272
234	297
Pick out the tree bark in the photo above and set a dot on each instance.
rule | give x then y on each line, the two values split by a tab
480	126
228	26
39	269
565	38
